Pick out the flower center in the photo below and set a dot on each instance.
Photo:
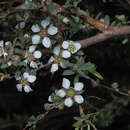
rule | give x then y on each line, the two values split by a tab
30	57
70	92
71	48
58	59
43	32
23	81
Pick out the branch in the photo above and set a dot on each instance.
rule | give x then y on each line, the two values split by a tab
107	34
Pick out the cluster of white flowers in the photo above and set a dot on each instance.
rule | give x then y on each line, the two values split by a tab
70	94
43	32
31	55
24	82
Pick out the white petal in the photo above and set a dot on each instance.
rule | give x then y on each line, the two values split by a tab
46	42
1	43
51	59
56	50
78	86
33	64
25	75
61	93
79	99
35	28
62	65
50	99
65	20
17	78
77	47
19	87
66	83
31	78
52	30
68	102
37	54
22	25
35	39
46	22
66	54
32	48
27	89
65	44
54	68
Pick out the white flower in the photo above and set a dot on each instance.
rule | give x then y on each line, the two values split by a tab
37	54
35	28
52	30
68	102
31	56
35	39
24	82
20	25
70	48
46	42
46	22
56	59
70	93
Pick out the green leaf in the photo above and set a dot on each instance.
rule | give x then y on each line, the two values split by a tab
78	123
67	63
94	72
68	72
125	41
107	19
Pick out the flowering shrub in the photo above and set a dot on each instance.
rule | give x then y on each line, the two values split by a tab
44	40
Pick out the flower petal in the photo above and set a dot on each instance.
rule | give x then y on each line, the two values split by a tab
52	30
33	64
54	68
37	54
56	50
61	93
65	44
45	22
51	59
19	87
35	39
50	99
77	47
20	25
25	75
66	83
31	78
1	43
79	99
68	102
78	86
32	48
66	54
27	89
46	42
35	28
